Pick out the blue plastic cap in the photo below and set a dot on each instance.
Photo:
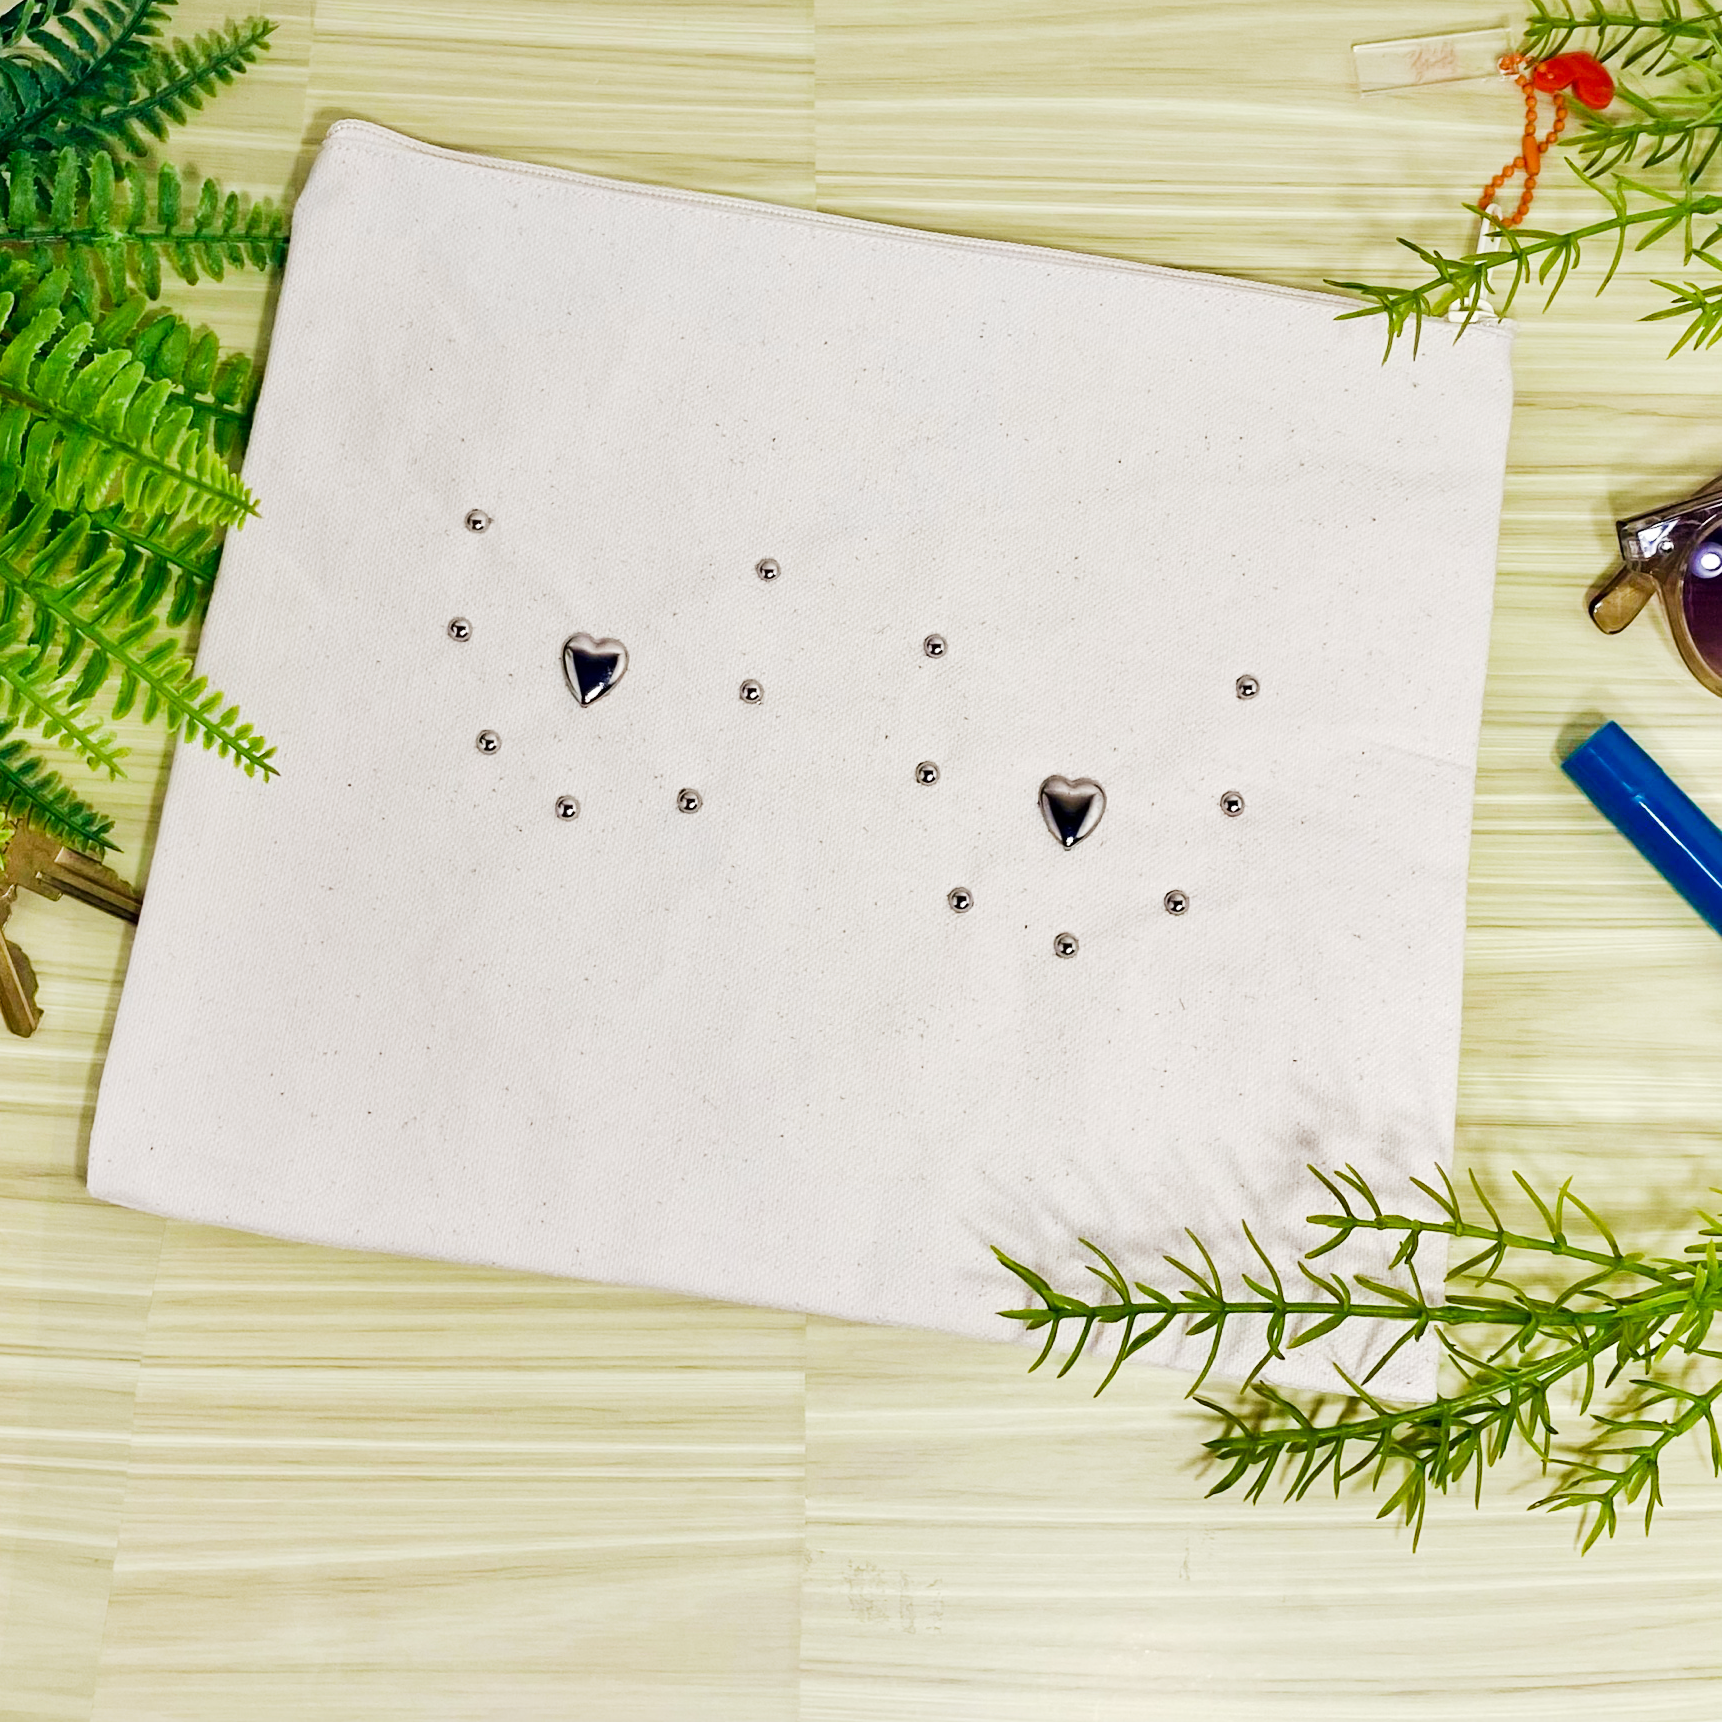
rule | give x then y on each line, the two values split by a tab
1654	813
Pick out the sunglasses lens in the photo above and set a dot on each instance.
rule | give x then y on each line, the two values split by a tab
1701	594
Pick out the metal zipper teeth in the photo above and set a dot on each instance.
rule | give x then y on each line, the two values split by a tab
376	136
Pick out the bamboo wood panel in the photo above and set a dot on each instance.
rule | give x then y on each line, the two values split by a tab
242	1478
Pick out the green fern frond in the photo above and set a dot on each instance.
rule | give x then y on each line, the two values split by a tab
120	424
66	573
45	704
73	66
102	221
169	84
85	432
30	15
164	568
168	569
218	387
30	790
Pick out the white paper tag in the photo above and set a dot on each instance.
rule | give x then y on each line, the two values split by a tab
1446	59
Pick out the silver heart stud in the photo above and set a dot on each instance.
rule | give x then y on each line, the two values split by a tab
592	667
1071	810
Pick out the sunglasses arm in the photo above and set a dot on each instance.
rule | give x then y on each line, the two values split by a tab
1619	602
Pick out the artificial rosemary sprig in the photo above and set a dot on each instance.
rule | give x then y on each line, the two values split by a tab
1685	128
1624	1326
1700	305
1676	132
1546	256
1649	42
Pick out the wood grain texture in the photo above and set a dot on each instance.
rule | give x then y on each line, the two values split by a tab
981	1546
374	1488
242	1478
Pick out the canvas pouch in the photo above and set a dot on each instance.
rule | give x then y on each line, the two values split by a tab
391	1000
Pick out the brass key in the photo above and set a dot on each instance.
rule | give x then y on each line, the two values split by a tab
51	870
17	984
36	863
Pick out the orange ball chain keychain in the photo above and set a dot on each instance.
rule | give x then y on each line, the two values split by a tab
1589	81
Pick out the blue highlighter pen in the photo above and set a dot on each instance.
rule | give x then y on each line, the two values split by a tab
1654	813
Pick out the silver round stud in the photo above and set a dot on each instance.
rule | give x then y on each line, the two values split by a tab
1248	687
926	772
766	568
689	800
961	899
459	628
1176	903
1065	945
751	692
488	741
477	520
934	646
1231	804
567	807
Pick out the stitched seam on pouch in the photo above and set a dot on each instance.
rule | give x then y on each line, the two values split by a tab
874	232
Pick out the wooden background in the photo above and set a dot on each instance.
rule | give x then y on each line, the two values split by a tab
244	1479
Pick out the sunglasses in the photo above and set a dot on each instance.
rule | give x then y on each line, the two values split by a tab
1678	551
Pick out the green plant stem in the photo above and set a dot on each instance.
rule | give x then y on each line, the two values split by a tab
199	569
268	251
1322	1446
1689	137
1588	1334
1464	280
1642	1473
1543	1317
1495	1235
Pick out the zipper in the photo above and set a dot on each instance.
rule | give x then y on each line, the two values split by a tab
368	133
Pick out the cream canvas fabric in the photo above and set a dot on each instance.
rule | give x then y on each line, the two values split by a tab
392	1001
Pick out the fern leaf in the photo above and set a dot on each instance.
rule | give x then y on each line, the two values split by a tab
69	69
65	572
217	387
169	566
51	707
30	790
30	15
86	211
96	431
168	85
